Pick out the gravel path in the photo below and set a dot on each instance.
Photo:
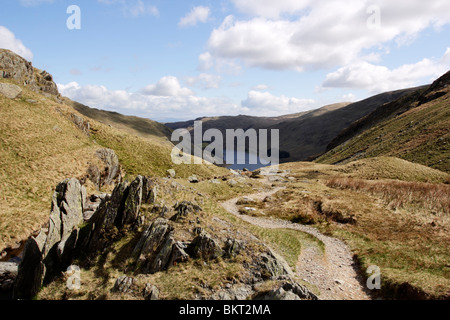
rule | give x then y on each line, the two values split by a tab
332	272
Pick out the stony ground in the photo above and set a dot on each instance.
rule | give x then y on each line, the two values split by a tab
333	272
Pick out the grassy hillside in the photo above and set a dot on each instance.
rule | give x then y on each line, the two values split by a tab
144	128
385	211
41	146
415	128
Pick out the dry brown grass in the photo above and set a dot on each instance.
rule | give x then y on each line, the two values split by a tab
401	194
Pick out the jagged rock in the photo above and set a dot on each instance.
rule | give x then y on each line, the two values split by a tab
149	191
183	209
299	290
124	284
107	216
179	254
193	179
171	173
279	294
236	292
160	210
133	202
84	126
31	269
65	250
8	273
233	247
273	266
205	247
11	91
157	238
232	182
151	292
111	174
14	67
66	213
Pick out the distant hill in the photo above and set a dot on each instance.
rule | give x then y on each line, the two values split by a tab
415	127
141	127
305	135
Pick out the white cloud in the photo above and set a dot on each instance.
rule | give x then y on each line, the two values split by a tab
205	61
321	33
9	41
266	104
154	107
204	81
196	15
350	97
375	78
166	87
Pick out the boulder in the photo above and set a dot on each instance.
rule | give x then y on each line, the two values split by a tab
124	284
8	273
152	251
171	173
193	179
183	209
31	269
11	91
205	247
272	265
149	191
150	292
111	173
133	202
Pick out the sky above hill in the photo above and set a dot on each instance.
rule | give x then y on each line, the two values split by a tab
178	59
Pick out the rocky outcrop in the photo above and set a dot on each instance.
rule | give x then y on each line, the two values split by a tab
14	67
183	209
11	91
81	124
205	247
125	284
287	290
109	174
52	250
150	292
8	274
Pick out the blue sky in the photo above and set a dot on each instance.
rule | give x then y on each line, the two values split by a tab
179	59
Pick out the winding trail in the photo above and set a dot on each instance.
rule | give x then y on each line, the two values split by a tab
333	272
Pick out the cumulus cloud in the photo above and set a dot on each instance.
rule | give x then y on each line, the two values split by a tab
166	87
196	15
270	105
156	107
9	41
320	34
376	79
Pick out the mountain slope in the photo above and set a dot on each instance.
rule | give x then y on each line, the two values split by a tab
141	127
415	128
303	135
44	141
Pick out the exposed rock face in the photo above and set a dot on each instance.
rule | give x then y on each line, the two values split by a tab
287	290
12	66
183	209
50	252
8	273
110	174
133	202
272	266
31	269
83	125
150	292
11	91
205	247
124	284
